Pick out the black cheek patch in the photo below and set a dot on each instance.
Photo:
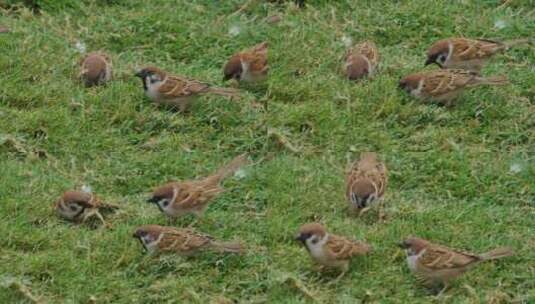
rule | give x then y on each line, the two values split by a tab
363	201
142	244
160	207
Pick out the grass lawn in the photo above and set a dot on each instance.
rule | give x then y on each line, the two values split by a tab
462	176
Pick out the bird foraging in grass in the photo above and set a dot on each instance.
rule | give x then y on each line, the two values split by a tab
467	54
176	199
95	69
444	86
176	91
185	242
434	264
361	61
330	250
366	183
79	206
250	65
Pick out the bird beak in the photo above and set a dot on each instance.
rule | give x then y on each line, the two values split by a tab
140	74
403	245
152	200
300	238
429	61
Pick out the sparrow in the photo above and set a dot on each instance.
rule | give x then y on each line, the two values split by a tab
176	91
250	65
185	241
366	183
95	69
176	199
444	86
78	206
435	264
467	54
330	250
361	60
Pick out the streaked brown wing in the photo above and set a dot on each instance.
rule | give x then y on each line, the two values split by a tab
441	82
259	63
369	50
195	194
469	49
382	178
183	240
370	169
257	58
343	249
438	257
177	86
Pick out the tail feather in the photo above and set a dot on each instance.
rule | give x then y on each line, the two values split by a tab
229	169
361	248
515	42
227	92
228	247
497	253
497	80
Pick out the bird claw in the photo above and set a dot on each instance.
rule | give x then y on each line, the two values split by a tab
442	291
361	213
335	281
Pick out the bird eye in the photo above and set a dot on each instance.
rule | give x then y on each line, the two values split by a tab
165	203
314	241
441	58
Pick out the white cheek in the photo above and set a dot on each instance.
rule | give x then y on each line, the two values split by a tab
412	259
152	88
418	91
316	249
411	262
150	244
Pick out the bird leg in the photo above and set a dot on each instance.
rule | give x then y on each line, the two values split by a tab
199	217
319	268
341	275
446	286
364	210
344	269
